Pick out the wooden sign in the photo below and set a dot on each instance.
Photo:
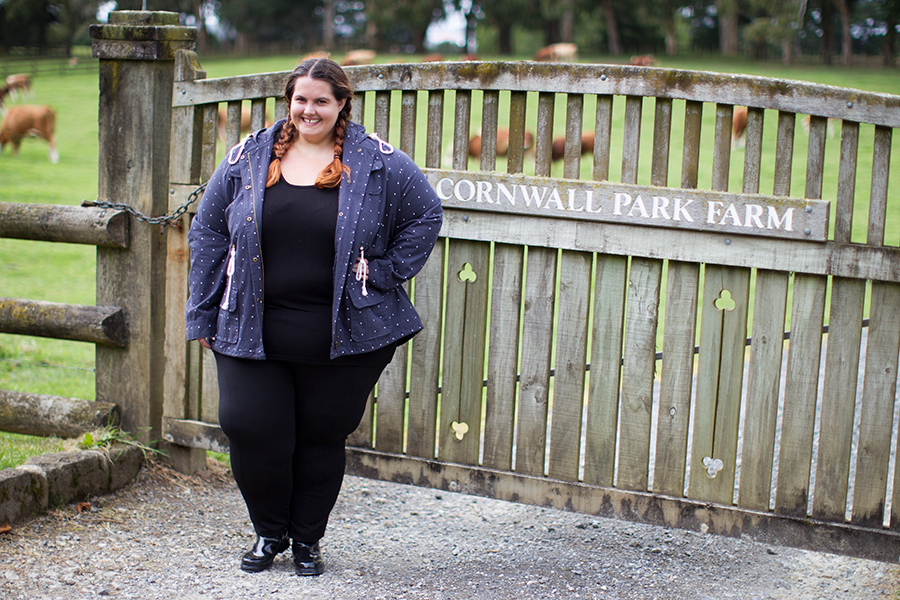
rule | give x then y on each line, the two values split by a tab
702	210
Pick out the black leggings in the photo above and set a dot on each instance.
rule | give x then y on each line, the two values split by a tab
287	424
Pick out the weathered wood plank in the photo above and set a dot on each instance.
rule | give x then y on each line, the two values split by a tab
435	133
463	369
68	224
800	391
103	325
571	356
876	417
426	353
574	121
408	123
723	333
631	144
515	161
45	415
506	300
763	386
753	136
462	113
881	168
677	374
843	218
490	109
383	115
828	258
744	90
690	159
784	153
390	403
543	138
638	368
602	137
606	368
722	147
662	133
534	387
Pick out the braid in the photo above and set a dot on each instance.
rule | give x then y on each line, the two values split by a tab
330	176
285	138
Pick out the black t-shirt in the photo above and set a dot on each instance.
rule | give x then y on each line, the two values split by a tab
297	237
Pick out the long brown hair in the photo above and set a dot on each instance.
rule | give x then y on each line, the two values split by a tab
322	69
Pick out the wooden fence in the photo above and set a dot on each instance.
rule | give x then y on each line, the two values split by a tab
586	336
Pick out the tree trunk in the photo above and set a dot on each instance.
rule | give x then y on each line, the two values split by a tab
328	25
39	414
887	47
504	39
728	27
612	28
787	52
671	40
827	32
846	41
567	26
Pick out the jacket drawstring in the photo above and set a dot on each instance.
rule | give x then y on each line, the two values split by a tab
362	271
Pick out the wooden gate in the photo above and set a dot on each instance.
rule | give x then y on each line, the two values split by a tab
588	338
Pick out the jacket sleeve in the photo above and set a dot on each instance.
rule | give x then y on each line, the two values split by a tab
209	241
415	230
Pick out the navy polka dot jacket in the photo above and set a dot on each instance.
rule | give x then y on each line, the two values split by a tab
386	207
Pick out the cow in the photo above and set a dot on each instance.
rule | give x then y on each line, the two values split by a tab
738	126
562	52
558	146
358	57
502	143
19	81
642	60
4	92
245	120
29	120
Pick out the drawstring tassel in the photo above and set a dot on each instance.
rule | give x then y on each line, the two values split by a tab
362	271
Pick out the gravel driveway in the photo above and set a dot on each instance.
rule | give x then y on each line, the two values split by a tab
171	537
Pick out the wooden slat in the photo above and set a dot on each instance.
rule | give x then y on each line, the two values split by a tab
753	136
534	387
606	360
383	115
843	220
784	153
800	390
408	122
639	363
463	368
602	138
722	147
543	137
390	403
209	386
690	160
631	144
677	374
723	333
434	137
881	168
571	357
876	417
209	138
506	299
490	109
574	121
358	108
462	113
515	161
257	114
662	132
233	124
763	386
426	353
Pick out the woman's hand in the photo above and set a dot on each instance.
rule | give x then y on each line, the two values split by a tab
204	342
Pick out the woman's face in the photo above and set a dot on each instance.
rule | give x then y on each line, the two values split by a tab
314	109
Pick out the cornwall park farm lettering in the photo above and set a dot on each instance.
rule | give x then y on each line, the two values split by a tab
748	214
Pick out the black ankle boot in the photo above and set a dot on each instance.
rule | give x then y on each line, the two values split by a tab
264	552
307	559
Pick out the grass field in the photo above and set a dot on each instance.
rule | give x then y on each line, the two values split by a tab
65	273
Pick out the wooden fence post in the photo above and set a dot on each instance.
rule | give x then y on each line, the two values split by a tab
137	62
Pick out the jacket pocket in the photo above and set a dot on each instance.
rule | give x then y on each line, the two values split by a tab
227	324
369	315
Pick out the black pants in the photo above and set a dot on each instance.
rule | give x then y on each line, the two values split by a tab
287	424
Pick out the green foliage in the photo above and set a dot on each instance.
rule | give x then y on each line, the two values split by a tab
106	438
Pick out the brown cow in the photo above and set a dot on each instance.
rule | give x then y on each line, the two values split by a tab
562	52
27	120
738	126
358	57
502	143
642	60
558	146
4	92
19	81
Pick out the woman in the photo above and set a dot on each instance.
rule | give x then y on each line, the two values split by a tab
299	248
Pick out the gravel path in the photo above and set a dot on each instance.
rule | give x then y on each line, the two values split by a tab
171	537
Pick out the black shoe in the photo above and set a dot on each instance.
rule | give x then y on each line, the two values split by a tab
307	559
264	552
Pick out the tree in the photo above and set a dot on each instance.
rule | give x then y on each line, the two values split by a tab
728	26
26	22
74	17
775	22
843	7
401	22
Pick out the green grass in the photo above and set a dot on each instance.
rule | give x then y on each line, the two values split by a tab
65	272
15	448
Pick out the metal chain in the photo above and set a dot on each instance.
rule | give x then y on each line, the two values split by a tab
160	220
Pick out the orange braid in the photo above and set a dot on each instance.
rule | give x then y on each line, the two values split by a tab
330	176
285	139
